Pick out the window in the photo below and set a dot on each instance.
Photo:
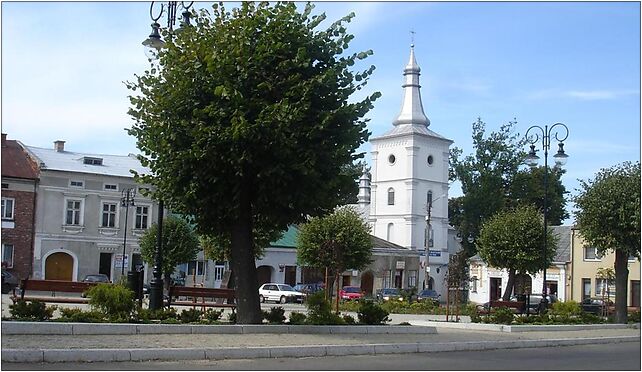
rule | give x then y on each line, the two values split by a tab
590	254
412	278
111	187
7	255
218	272
7	208
76	183
391	159
430	160
386	279
601	288
390	231
92	161
109	214
142	216
195	266
473	284
429	199
73	212
586	288
391	196
5	185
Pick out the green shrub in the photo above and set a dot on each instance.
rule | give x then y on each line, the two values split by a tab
170	321
408	294
190	315
395	307
348	319
588	318
566	312
352	306
633	317
276	315
297	318
34	310
212	315
475	317
404	324
146	315
372	313
80	316
320	311
231	317
423	307
116	301
503	315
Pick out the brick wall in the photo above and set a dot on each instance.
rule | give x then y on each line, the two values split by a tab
21	236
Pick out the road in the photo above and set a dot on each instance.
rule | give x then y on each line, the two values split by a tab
623	356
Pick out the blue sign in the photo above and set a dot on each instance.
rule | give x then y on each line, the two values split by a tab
432	253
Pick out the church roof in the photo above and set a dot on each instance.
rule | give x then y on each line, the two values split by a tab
402	130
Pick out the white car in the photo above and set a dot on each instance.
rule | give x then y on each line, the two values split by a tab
280	293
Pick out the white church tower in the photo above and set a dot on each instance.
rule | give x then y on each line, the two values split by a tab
409	175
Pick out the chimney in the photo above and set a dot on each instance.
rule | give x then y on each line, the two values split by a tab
59	146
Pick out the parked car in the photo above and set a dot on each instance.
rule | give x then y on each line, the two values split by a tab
428	294
280	293
96	278
9	281
350	293
308	288
596	305
387	294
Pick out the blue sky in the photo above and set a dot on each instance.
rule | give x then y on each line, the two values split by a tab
63	67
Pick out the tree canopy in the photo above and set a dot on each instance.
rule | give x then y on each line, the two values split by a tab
180	243
512	240
492	181
608	217
246	125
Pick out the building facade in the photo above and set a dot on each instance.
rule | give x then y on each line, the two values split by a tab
488	283
19	186
585	281
409	185
81	222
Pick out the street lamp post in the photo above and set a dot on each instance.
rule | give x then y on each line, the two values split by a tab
127	199
153	44
560	159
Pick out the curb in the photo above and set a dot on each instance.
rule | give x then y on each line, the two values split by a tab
40	328
113	355
524	328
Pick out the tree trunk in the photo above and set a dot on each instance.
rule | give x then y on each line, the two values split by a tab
336	280
621	285
243	263
509	285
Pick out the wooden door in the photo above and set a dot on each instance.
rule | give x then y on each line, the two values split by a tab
59	266
367	281
635	293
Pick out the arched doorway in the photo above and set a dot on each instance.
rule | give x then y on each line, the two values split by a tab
264	274
59	266
367	281
431	283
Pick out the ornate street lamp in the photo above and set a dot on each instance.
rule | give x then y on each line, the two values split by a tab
560	159
154	43
127	199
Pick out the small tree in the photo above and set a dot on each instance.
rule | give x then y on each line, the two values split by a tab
180	244
513	240
608	217
339	241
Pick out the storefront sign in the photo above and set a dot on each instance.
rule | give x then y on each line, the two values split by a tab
401	264
118	261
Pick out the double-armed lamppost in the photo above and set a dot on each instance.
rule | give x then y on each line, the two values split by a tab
560	159
153	44
127	199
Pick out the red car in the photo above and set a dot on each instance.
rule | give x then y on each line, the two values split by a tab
350	293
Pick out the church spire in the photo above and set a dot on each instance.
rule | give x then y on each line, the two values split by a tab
412	111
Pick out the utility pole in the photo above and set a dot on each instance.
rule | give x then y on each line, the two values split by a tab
427	248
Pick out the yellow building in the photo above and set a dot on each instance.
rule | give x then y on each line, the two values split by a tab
585	262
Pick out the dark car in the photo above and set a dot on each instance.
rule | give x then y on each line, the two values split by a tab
309	288
428	294
96	278
598	306
387	294
9	281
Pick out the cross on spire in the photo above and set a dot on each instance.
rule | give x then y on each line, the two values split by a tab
412	37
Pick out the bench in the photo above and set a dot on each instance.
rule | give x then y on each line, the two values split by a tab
219	297
517	305
53	286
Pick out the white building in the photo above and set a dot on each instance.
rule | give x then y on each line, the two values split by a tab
408	192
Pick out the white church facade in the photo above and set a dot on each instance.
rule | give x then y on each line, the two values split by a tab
406	202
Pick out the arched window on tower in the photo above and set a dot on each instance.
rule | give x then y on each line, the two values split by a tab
429	198
391	196
389	234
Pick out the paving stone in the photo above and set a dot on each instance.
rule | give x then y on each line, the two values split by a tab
238	353
86	355
167	354
22	355
297	351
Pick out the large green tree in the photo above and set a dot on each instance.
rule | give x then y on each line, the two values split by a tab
512	240
491	181
485	176
337	242
608	217
246	125
180	244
